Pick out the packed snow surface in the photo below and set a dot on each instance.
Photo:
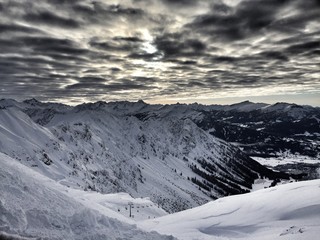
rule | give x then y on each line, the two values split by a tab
290	211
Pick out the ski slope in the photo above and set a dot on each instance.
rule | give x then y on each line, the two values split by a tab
290	211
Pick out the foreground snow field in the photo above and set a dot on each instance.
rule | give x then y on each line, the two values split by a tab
34	206
290	211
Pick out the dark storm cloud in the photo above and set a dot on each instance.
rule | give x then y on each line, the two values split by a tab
68	2
180	3
91	79
107	14
31	61
128	39
50	18
179	45
115	69
53	51
70	14
9	46
119	9
195	83
250	18
304	47
47	45
109	83
145	80
274	55
224	59
261	57
307	5
187	62
114	87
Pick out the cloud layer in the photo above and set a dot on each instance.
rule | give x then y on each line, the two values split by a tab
75	51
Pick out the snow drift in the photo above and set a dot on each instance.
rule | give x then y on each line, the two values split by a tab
290	211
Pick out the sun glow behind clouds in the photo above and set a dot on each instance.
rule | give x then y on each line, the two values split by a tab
147	45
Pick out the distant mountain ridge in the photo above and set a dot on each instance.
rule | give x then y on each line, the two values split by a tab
166	152
260	129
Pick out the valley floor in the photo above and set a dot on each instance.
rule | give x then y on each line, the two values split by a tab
293	159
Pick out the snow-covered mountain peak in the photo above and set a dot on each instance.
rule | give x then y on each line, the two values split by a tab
245	106
6	103
32	101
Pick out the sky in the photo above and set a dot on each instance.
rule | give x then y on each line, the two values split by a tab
161	51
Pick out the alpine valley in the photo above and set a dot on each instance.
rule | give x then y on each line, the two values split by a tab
169	157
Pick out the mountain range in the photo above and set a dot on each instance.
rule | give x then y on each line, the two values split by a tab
178	155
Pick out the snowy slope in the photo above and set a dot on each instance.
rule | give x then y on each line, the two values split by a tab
108	148
102	153
34	206
290	211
